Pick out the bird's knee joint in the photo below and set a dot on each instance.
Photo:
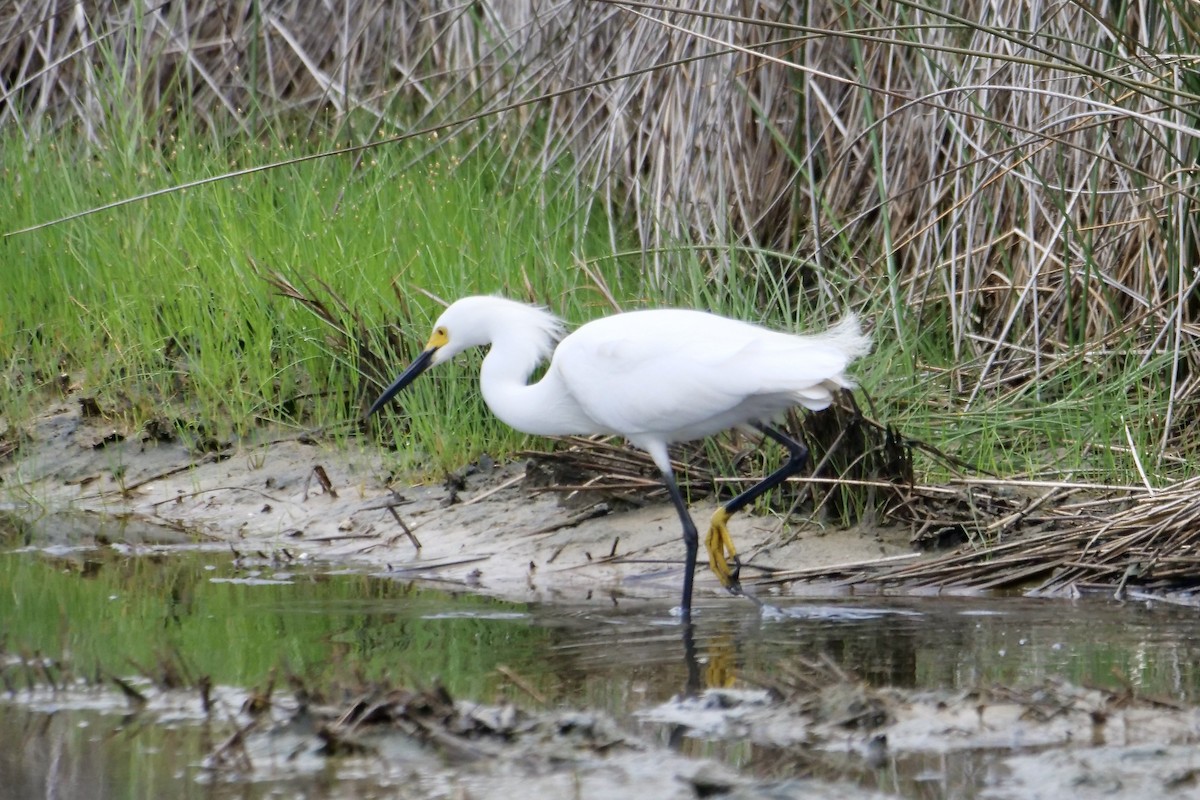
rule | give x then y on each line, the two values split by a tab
798	457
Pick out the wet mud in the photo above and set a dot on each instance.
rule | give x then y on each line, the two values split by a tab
485	528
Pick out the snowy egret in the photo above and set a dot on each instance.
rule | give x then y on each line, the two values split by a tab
654	377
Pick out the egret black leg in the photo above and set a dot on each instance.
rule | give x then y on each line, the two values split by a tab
719	543
691	542
797	455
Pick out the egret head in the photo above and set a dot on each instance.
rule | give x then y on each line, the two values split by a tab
475	322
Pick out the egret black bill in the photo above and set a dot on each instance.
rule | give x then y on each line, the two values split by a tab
419	365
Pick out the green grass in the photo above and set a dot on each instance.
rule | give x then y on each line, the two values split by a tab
1074	422
157	308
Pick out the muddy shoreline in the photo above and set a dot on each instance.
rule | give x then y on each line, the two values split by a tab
490	531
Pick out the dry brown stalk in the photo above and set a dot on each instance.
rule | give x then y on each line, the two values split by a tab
1151	543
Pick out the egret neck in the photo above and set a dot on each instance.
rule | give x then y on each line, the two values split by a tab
545	408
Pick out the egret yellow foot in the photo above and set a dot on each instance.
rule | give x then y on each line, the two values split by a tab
720	549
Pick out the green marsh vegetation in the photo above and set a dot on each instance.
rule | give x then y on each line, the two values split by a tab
1007	191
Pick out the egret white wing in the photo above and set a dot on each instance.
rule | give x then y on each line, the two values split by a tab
630	391
676	370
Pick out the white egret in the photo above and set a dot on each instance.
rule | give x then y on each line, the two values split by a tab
654	377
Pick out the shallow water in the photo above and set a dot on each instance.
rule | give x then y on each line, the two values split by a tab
97	612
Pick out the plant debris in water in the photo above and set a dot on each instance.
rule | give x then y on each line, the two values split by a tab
826	731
